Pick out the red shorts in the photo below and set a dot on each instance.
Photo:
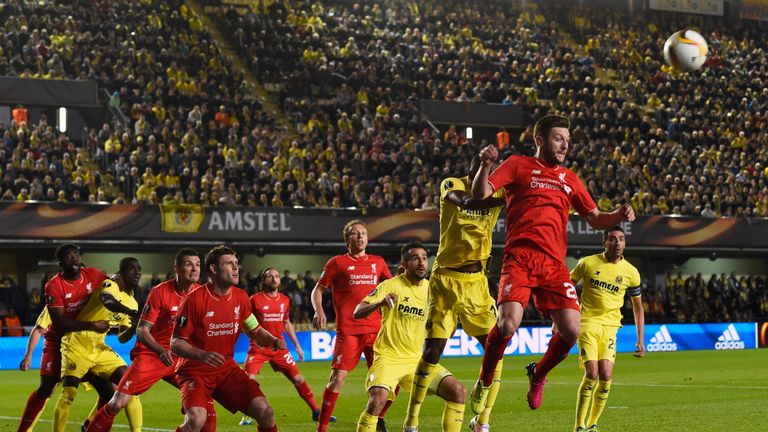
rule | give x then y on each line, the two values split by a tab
50	361
145	370
280	360
527	272
231	387
348	348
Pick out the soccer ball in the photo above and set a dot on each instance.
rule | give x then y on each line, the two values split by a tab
686	50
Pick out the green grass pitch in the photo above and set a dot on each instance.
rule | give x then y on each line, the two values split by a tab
682	391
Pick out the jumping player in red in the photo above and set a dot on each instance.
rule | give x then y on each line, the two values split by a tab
540	193
351	277
208	324
65	295
151	357
272	309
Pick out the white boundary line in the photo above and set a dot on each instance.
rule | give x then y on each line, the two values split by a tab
121	426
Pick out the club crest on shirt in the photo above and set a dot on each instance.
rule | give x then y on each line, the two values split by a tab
561	176
619	279
237	312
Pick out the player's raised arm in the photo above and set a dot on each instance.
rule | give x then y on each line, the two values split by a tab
481	187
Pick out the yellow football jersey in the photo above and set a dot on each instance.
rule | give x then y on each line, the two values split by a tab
465	235
403	328
604	285
95	310
44	319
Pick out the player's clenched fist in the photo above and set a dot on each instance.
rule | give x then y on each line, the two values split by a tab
489	154
390	300
627	212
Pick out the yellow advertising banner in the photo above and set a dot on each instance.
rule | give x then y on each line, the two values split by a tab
181	218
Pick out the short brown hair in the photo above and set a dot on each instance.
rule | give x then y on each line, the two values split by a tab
184	252
213	255
263	275
348	227
547	123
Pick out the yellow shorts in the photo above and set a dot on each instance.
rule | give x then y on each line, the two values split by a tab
597	342
389	373
465	296
80	357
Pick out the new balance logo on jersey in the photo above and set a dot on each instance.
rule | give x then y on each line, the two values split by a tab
730	339
350	268
662	341
209	314
68	295
536	172
173	309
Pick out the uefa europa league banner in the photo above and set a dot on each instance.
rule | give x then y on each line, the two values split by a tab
265	224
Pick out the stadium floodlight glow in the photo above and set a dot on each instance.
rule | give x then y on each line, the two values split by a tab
468	133
61	119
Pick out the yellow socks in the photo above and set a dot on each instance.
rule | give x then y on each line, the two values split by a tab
599	401
134	413
367	422
61	412
583	399
421	380
453	417
485	416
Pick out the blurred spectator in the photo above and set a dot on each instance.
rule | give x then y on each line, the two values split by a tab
12	324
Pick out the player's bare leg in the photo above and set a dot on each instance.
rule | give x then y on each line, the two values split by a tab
261	411
194	419
568	325
377	398
510	316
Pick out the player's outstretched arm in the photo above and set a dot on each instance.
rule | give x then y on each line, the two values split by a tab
265	339
64	324
639	313
603	220
465	201
364	309
184	349
34	338
144	335
319	320
113	305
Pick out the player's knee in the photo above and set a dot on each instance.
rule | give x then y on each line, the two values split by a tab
506	327
336	381
297	380
196	418
431	353
606	375
264	414
590	374
457	393
375	405
46	389
569	334
118	402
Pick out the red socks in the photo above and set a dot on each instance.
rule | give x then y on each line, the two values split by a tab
102	421
34	404
329	403
306	393
494	351
556	352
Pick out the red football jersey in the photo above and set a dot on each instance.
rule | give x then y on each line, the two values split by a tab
539	199
160	309
211	323
71	295
272	312
350	280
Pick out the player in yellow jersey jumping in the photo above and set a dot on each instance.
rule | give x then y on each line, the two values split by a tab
606	277
458	286
86	351
403	301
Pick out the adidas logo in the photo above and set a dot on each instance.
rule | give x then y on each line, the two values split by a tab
662	341
730	339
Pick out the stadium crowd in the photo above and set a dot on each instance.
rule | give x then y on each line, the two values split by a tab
350	75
